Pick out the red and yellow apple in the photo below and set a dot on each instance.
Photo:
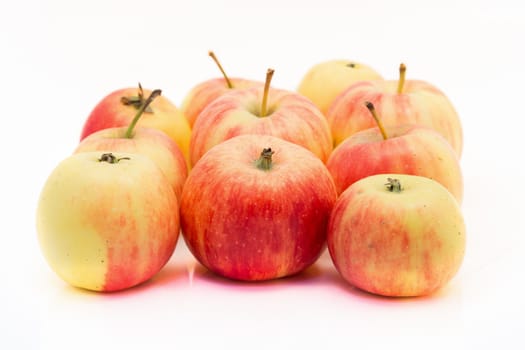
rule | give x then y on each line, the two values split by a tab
264	110
398	102
323	82
107	221
150	142
256	207
119	107
404	149
397	235
207	91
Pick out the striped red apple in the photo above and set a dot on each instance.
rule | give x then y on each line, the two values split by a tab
397	235
207	91
256	207
403	149
262	110
398	102
118	108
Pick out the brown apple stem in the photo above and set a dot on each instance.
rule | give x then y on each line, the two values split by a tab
372	110
393	185
264	105
228	81
110	158
401	81
265	160
131	127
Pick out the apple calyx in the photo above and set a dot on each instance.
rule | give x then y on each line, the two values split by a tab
142	109
136	101
264	162
393	185
110	158
264	104
350	65
401	81
228	81
372	110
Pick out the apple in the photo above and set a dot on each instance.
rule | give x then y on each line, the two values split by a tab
256	207
107	221
405	149
263	110
397	235
150	142
118	109
207	91
323	82
398	102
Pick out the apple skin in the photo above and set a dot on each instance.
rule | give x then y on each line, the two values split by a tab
152	143
323	82
420	103
249	224
204	93
111	112
291	117
408	243
107	227
409	149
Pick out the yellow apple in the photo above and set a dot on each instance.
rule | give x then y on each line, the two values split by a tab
326	80
107	221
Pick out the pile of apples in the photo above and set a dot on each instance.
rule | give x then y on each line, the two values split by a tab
260	180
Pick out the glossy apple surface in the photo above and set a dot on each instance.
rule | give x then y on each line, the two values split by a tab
409	149
247	217
397	243
323	82
107	225
290	116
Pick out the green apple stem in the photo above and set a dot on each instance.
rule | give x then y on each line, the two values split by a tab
131	127
372	110
393	185
110	158
401	81
228	81
264	105
265	160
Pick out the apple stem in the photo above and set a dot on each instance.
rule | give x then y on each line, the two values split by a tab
264	105
372	110
228	81
401	82
131	127
110	158
265	160
393	185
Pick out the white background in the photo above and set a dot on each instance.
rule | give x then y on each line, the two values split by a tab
59	58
